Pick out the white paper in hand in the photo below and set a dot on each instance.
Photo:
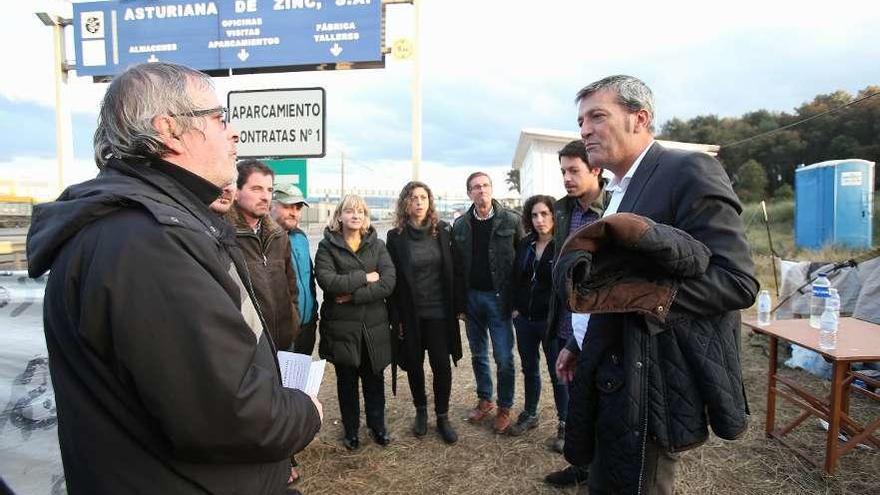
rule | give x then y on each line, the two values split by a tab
300	372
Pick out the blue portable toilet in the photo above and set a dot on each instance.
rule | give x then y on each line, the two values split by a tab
834	204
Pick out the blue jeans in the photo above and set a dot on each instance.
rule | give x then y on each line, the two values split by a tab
485	320
529	336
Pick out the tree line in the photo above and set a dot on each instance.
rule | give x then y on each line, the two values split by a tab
764	167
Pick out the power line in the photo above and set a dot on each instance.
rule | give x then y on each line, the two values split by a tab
799	122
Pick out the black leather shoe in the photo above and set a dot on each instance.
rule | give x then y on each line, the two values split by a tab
447	432
420	429
380	436
351	443
571	475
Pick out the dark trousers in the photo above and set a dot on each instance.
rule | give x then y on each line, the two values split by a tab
305	341
349	402
529	339
434	340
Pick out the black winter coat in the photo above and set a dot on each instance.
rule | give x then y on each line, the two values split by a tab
362	321
401	304
628	264
164	378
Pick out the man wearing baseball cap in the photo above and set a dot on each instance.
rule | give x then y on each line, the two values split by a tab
287	205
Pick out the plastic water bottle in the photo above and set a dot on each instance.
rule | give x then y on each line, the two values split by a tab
817	300
828	321
764	304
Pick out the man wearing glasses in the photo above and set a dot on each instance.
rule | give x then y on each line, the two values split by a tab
484	246
165	378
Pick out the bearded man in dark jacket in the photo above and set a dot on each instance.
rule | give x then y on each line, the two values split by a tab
266	249
165	377
649	386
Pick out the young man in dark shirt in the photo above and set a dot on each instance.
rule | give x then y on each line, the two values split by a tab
582	205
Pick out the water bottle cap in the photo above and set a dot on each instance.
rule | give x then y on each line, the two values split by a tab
764	291
823	274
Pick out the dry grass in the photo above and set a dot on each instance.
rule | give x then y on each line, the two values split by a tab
483	462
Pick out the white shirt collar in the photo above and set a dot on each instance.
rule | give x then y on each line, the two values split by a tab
490	215
619	185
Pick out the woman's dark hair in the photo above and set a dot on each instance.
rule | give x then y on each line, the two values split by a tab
530	204
401	217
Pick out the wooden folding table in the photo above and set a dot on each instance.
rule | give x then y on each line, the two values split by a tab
857	341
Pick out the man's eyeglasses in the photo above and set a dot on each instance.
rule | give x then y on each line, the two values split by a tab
223	111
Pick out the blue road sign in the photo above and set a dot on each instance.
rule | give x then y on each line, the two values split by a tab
225	34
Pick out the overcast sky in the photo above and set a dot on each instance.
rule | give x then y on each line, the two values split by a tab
490	69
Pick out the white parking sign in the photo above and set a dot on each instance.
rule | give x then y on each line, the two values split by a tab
279	123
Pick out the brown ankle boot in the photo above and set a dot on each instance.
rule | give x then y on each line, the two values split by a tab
502	420
477	414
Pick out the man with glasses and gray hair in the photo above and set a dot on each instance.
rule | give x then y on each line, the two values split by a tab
649	383
165	377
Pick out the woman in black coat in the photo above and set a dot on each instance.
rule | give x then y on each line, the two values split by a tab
421	306
356	274
532	289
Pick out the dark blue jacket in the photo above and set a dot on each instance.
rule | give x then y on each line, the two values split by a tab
532	285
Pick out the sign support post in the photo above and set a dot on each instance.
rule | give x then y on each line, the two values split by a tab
417	91
63	127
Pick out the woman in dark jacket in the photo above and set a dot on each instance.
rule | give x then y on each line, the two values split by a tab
421	306
532	289
355	272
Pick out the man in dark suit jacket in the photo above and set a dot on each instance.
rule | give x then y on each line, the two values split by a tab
654	411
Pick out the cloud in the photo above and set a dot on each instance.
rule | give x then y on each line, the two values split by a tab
492	68
28	129
38	176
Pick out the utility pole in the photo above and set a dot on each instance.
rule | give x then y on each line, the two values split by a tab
63	127
404	50
341	175
417	90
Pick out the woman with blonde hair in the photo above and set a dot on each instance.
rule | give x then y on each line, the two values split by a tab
421	306
356	274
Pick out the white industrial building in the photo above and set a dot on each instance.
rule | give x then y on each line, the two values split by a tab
537	160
